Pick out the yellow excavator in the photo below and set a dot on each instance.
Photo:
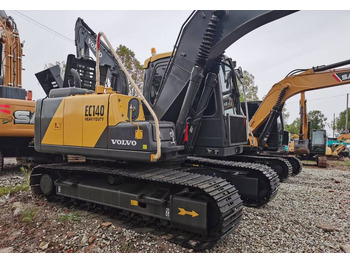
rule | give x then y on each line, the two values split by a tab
266	124
340	147
16	105
311	144
152	156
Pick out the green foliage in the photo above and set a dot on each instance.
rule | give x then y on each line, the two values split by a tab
13	189
5	190
25	174
294	127
250	88
73	216
285	114
347	162
133	66
28	215
317	120
340	122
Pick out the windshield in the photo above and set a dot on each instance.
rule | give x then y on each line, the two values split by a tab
229	89
318	138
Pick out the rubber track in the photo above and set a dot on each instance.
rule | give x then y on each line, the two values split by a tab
287	167
299	163
264	170
225	194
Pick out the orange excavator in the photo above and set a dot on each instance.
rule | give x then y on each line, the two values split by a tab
16	105
266	125
311	144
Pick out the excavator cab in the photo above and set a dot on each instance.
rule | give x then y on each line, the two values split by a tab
316	145
155	68
318	142
278	137
223	110
228	83
223	128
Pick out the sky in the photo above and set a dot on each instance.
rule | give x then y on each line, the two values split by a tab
302	40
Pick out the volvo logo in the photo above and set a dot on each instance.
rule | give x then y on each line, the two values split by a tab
122	142
93	46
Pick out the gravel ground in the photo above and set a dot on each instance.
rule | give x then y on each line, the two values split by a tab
311	213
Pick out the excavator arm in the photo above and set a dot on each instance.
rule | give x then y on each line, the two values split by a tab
344	137
85	42
304	127
308	80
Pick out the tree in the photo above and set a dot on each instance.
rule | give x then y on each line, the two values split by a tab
317	120
340	122
132	65
294	127
250	88
285	114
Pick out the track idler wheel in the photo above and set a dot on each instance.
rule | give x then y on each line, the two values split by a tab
280	171
296	165
47	186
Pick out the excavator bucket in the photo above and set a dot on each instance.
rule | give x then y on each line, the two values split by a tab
301	147
50	78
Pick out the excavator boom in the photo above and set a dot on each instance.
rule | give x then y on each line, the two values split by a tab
311	79
225	29
85	42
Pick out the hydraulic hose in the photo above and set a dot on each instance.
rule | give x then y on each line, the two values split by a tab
156	121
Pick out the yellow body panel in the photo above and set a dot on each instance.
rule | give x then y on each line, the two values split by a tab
80	120
94	118
16	118
119	109
73	123
328	151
